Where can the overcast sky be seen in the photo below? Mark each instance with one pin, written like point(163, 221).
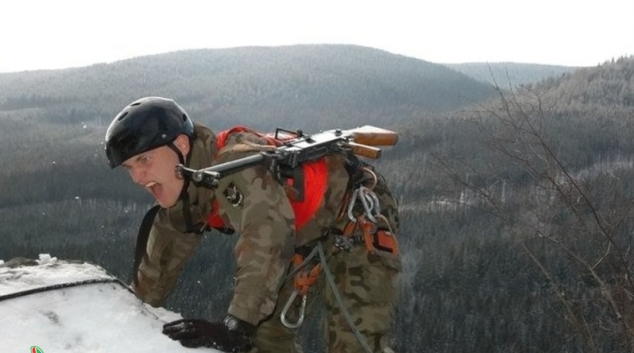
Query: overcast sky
point(53, 34)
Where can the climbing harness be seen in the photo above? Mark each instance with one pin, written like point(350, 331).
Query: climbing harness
point(373, 237)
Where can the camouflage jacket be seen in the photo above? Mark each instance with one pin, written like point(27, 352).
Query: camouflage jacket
point(254, 204)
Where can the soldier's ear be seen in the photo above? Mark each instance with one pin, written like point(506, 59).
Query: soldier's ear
point(182, 143)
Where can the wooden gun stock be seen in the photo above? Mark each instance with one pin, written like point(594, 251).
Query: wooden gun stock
point(374, 136)
point(365, 150)
point(364, 139)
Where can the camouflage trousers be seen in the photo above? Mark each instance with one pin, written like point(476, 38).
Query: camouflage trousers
point(367, 283)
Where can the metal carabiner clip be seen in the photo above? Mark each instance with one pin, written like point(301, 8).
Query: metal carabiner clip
point(369, 201)
point(351, 204)
point(287, 307)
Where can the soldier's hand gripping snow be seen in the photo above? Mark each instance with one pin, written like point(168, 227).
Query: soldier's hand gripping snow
point(331, 222)
point(231, 335)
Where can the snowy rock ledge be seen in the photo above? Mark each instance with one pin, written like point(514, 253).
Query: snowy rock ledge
point(21, 274)
point(69, 306)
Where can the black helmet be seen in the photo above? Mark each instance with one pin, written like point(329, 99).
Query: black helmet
point(143, 125)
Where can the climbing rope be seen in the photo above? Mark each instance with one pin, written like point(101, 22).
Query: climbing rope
point(318, 250)
point(331, 282)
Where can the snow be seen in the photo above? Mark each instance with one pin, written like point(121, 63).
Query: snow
point(84, 310)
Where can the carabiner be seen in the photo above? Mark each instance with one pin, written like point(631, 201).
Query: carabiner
point(351, 204)
point(287, 307)
point(369, 201)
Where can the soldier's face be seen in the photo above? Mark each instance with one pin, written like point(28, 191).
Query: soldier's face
point(155, 171)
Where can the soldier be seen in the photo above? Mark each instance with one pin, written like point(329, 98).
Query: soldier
point(152, 135)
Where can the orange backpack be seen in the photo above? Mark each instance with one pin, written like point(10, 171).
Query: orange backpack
point(315, 175)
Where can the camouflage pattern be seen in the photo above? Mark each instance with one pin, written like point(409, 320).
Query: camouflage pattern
point(368, 284)
point(257, 207)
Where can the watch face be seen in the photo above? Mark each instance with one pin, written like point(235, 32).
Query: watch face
point(231, 322)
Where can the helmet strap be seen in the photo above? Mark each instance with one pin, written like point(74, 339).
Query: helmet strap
point(190, 227)
point(181, 158)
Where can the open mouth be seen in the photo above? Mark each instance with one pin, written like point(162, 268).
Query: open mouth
point(154, 188)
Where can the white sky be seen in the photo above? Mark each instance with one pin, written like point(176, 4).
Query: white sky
point(47, 34)
point(103, 318)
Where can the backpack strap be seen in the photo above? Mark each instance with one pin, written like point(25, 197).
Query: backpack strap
point(142, 238)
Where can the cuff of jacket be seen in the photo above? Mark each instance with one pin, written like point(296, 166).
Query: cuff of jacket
point(250, 308)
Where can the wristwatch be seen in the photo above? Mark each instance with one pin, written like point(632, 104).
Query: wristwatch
point(231, 322)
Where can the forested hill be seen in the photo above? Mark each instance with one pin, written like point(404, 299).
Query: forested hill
point(509, 75)
point(521, 211)
point(589, 110)
point(607, 87)
point(314, 85)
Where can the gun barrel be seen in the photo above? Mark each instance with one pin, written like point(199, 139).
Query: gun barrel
point(232, 166)
point(211, 175)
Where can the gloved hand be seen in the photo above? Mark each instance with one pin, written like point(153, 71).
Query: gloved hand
point(232, 335)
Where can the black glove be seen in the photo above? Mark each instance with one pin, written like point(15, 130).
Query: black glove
point(232, 335)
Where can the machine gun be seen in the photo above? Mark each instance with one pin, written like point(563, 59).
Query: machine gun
point(298, 149)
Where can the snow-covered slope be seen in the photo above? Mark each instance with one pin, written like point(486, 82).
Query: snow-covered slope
point(60, 306)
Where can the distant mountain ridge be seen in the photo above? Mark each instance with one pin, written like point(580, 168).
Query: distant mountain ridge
point(319, 84)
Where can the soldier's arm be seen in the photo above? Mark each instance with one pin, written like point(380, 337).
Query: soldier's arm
point(265, 246)
point(166, 254)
